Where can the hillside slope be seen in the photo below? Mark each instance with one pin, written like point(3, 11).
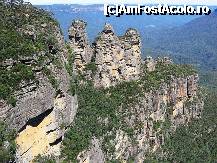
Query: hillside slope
point(194, 42)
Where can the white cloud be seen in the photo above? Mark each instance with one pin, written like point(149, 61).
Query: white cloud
point(193, 2)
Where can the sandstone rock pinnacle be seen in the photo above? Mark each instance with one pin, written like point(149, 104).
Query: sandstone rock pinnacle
point(116, 58)
point(79, 44)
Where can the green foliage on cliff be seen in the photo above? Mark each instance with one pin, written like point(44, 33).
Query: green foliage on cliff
point(70, 60)
point(103, 111)
point(7, 144)
point(196, 142)
point(91, 66)
point(10, 79)
point(12, 44)
point(174, 70)
point(69, 68)
point(96, 105)
point(44, 159)
point(156, 125)
point(164, 73)
point(22, 38)
point(51, 77)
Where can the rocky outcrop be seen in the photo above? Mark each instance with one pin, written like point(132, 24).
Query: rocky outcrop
point(41, 117)
point(159, 113)
point(94, 154)
point(80, 45)
point(109, 58)
point(43, 109)
point(150, 63)
point(116, 58)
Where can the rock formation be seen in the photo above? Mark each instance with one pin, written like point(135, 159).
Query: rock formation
point(79, 44)
point(116, 58)
point(158, 112)
point(45, 107)
point(150, 63)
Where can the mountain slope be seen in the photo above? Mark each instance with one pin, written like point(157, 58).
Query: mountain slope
point(194, 42)
point(93, 15)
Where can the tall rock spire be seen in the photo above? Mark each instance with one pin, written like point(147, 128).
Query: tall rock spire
point(108, 58)
point(117, 58)
point(79, 44)
point(132, 53)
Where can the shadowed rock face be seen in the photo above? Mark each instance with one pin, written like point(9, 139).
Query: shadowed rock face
point(42, 111)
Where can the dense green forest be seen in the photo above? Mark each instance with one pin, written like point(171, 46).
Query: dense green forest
point(196, 142)
point(95, 105)
point(194, 42)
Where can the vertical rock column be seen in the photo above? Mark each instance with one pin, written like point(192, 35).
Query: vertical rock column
point(132, 55)
point(150, 64)
point(108, 57)
point(79, 44)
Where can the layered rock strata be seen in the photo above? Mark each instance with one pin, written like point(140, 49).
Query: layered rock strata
point(42, 111)
point(116, 58)
point(80, 45)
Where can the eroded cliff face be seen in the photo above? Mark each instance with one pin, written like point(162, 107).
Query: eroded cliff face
point(80, 45)
point(44, 106)
point(158, 112)
point(116, 58)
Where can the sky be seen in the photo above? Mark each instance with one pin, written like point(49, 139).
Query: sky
point(178, 2)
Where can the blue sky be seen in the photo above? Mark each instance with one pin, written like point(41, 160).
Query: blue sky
point(194, 2)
